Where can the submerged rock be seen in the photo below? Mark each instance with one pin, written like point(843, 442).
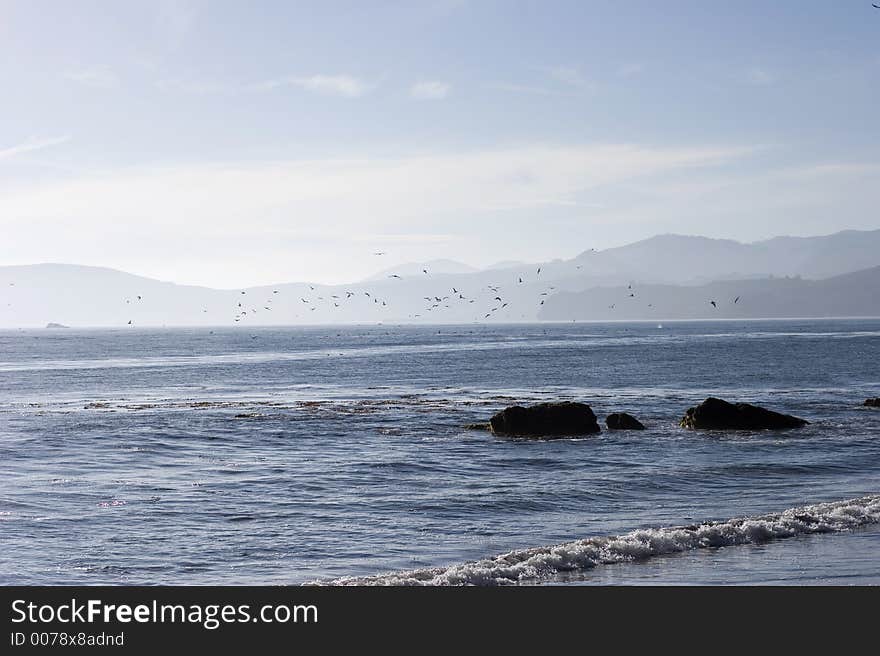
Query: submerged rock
point(873, 403)
point(623, 421)
point(718, 414)
point(546, 420)
point(480, 426)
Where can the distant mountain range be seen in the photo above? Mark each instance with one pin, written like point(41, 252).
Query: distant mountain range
point(849, 295)
point(669, 277)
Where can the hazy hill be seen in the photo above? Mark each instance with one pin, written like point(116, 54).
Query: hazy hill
point(419, 268)
point(849, 295)
point(677, 275)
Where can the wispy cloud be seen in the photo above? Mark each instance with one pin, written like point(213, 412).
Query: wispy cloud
point(175, 19)
point(567, 76)
point(630, 70)
point(196, 87)
point(336, 85)
point(344, 86)
point(521, 88)
point(341, 196)
point(31, 145)
point(430, 90)
point(760, 77)
point(315, 212)
point(555, 81)
point(99, 77)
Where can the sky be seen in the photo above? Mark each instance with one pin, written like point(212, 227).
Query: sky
point(231, 144)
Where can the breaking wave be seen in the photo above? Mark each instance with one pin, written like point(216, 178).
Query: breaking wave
point(541, 563)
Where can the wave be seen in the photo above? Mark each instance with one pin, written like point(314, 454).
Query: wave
point(572, 341)
point(542, 563)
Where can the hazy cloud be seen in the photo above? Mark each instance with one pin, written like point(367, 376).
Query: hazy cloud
point(521, 88)
point(100, 77)
point(430, 90)
point(631, 69)
point(760, 77)
point(567, 76)
point(175, 19)
point(337, 85)
point(31, 145)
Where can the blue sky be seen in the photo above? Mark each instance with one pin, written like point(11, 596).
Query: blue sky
point(229, 143)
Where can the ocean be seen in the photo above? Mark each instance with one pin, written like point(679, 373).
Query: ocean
point(340, 455)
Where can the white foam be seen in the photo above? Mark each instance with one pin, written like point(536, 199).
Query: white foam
point(533, 565)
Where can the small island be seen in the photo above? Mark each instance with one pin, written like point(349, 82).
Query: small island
point(56, 325)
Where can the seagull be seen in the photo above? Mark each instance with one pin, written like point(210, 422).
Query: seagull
point(379, 253)
point(712, 303)
point(129, 322)
point(424, 271)
point(539, 272)
point(737, 298)
point(520, 281)
point(394, 275)
point(139, 297)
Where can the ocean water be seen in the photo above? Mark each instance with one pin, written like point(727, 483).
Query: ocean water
point(339, 455)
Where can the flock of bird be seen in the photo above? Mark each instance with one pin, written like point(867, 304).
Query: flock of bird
point(488, 301)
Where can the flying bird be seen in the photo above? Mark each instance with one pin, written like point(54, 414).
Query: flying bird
point(737, 298)
point(713, 304)
point(394, 275)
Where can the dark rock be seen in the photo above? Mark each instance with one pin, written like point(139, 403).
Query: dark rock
point(873, 403)
point(546, 420)
point(714, 414)
point(482, 426)
point(623, 421)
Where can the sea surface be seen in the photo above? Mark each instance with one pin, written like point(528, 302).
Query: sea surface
point(339, 455)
